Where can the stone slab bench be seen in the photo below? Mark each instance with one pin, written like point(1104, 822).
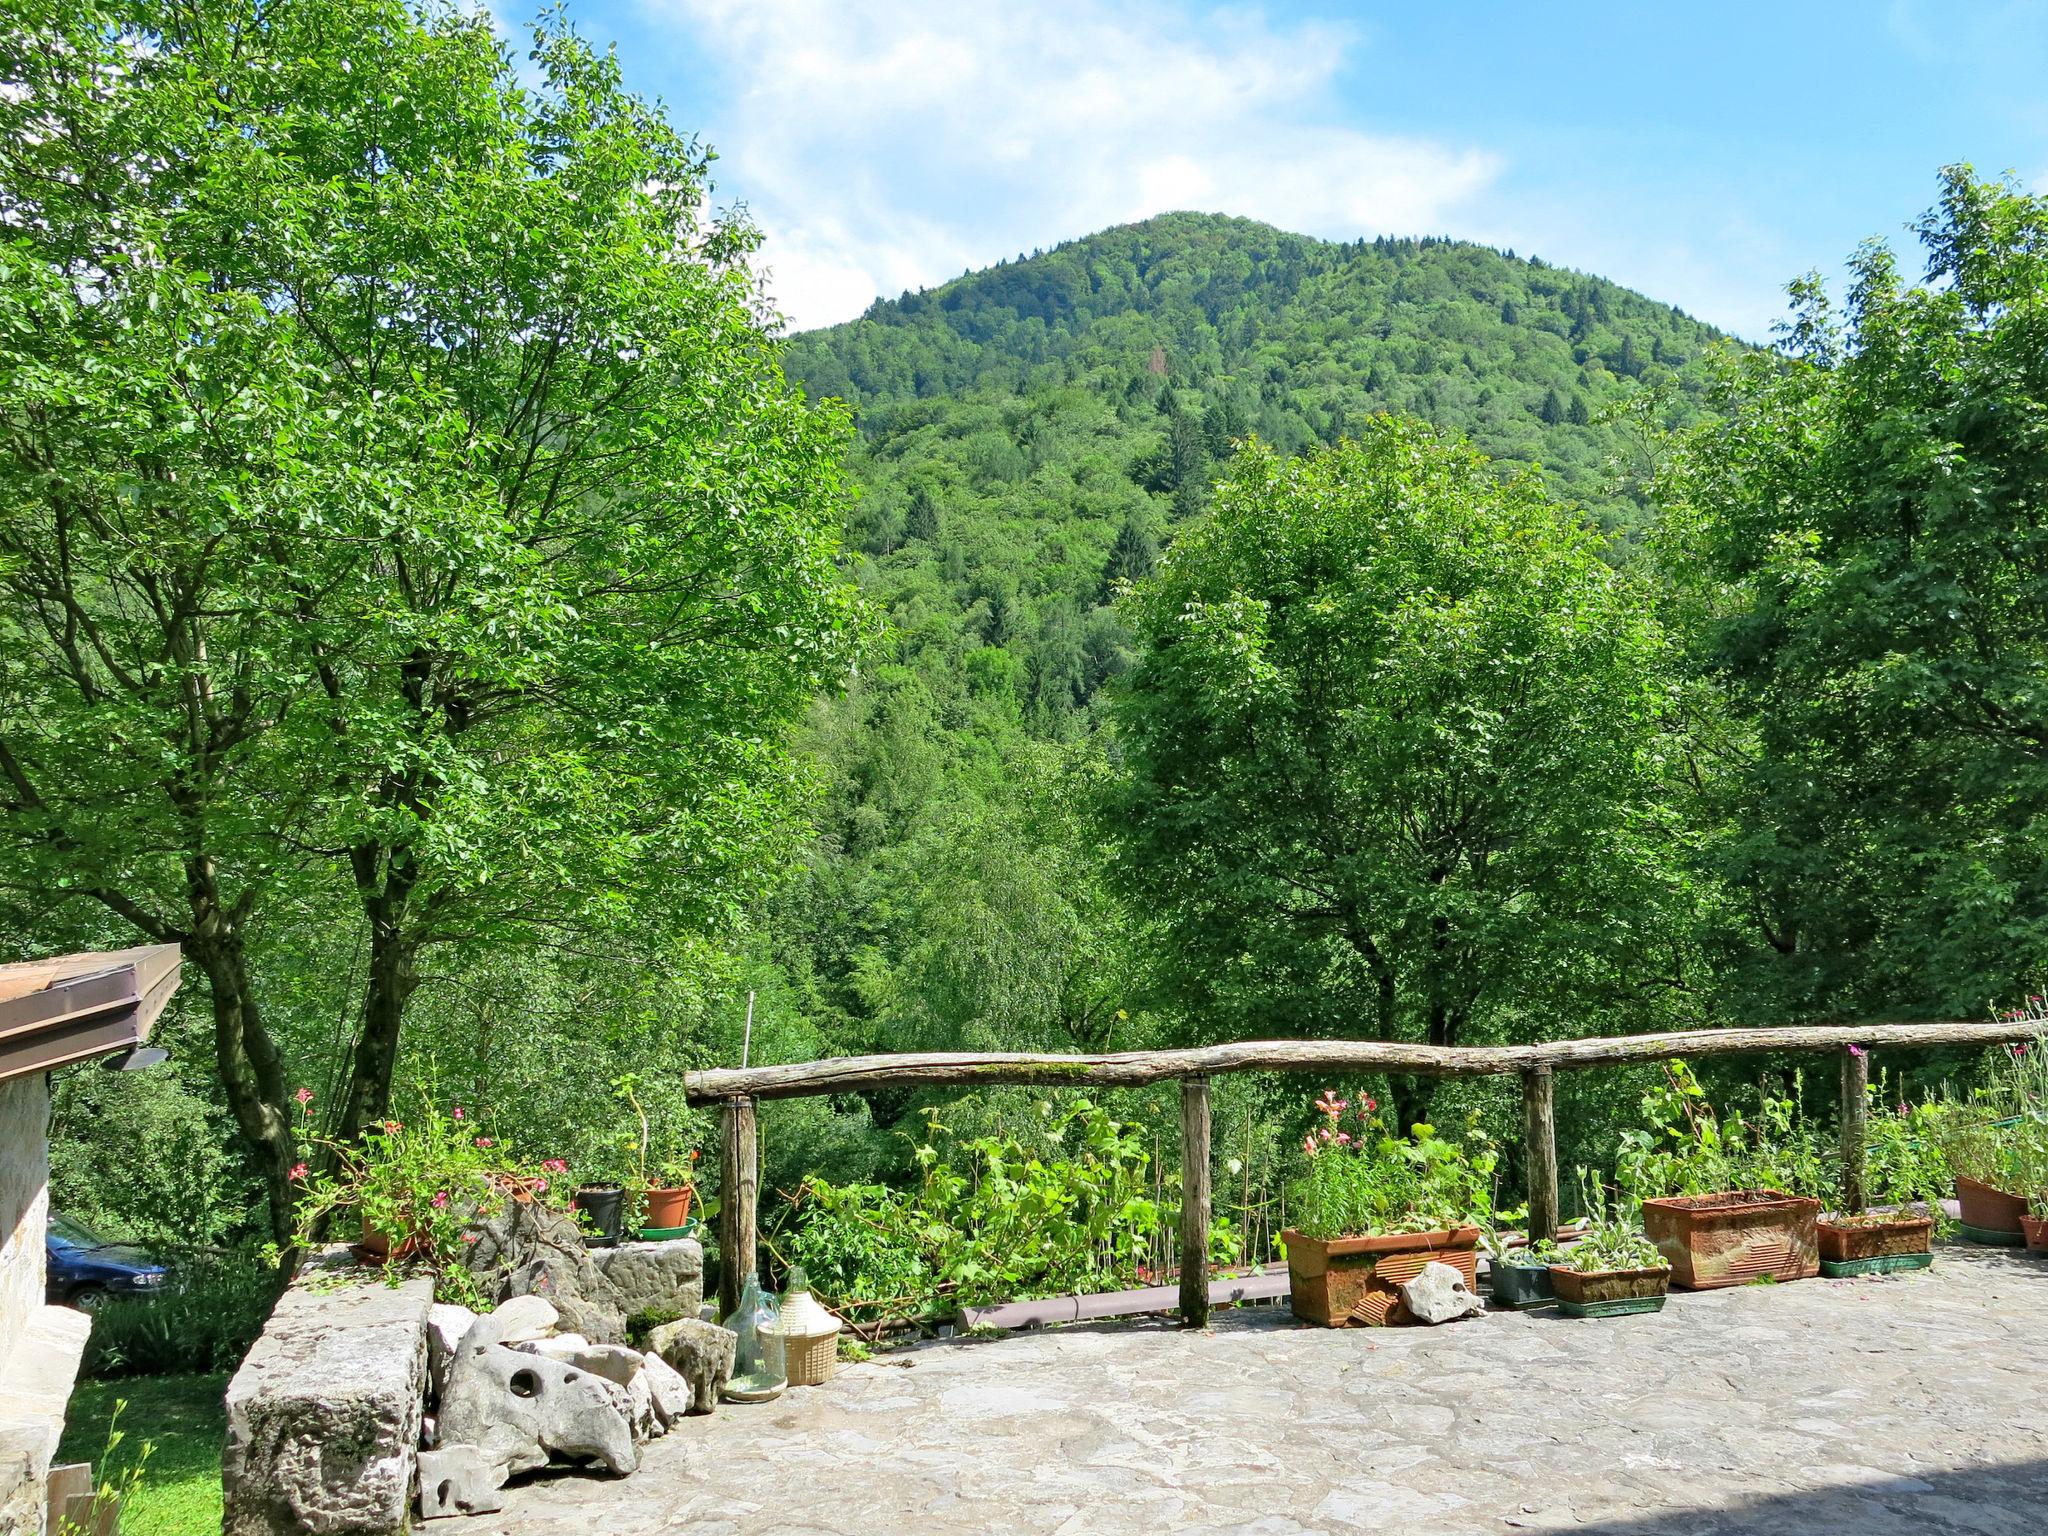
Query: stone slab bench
point(324, 1415)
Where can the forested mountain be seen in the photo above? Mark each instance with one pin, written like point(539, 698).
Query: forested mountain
point(1030, 435)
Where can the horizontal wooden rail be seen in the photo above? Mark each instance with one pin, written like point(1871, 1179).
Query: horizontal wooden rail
point(1129, 1069)
point(739, 1089)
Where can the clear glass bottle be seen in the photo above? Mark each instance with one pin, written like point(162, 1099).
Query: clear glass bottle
point(758, 1373)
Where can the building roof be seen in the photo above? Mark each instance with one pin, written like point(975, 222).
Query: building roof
point(74, 1007)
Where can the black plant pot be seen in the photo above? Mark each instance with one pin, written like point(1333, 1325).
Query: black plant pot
point(1521, 1288)
point(605, 1205)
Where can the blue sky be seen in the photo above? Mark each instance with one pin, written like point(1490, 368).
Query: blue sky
point(1704, 154)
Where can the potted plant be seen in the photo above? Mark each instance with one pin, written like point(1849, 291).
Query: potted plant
point(665, 1202)
point(1371, 1209)
point(411, 1187)
point(1711, 1187)
point(1614, 1269)
point(1996, 1143)
point(1906, 1177)
point(1520, 1275)
point(2034, 1225)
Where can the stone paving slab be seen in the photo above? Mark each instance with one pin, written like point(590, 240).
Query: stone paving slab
point(1907, 1403)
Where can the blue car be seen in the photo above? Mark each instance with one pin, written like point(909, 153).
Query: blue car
point(86, 1269)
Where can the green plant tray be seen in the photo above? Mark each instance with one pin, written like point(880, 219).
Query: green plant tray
point(1532, 1304)
point(1883, 1264)
point(664, 1234)
point(1625, 1306)
point(1989, 1238)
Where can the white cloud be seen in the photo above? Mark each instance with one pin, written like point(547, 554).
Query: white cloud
point(890, 145)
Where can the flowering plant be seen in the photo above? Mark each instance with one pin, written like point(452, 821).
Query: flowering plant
point(416, 1185)
point(1360, 1178)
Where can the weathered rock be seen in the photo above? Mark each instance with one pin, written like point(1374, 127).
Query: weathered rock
point(590, 1311)
point(528, 1250)
point(520, 1409)
point(324, 1415)
point(1439, 1295)
point(456, 1480)
point(701, 1353)
point(522, 1318)
point(665, 1277)
point(556, 1346)
point(671, 1392)
point(446, 1325)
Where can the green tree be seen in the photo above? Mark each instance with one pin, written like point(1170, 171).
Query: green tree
point(1392, 753)
point(401, 504)
point(1860, 545)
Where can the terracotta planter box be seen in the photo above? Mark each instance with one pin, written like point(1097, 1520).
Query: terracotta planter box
point(1843, 1242)
point(1348, 1282)
point(1734, 1237)
point(1988, 1209)
point(1609, 1292)
point(2036, 1230)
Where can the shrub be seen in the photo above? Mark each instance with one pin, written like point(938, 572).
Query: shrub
point(208, 1313)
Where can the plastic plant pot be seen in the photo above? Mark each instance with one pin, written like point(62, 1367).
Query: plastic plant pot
point(605, 1205)
point(1519, 1287)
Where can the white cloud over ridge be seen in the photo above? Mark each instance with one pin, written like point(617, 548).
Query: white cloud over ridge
point(1017, 126)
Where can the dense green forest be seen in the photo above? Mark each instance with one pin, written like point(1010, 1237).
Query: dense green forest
point(440, 601)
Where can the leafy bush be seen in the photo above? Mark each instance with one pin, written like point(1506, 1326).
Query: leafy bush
point(992, 1219)
point(1690, 1148)
point(1999, 1134)
point(208, 1313)
point(1360, 1179)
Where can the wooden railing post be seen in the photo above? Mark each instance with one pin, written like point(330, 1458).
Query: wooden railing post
point(739, 1193)
point(1855, 1109)
point(1540, 1122)
point(1194, 1202)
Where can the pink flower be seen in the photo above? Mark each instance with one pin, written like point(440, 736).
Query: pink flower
point(1324, 1134)
point(1370, 1107)
point(440, 1200)
point(298, 1172)
point(1343, 1138)
point(1330, 1104)
point(470, 1237)
point(393, 1127)
point(304, 1096)
point(1308, 1144)
point(1857, 1050)
point(458, 1111)
point(540, 1186)
point(555, 1165)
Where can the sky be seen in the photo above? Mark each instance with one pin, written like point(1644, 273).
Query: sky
point(1703, 154)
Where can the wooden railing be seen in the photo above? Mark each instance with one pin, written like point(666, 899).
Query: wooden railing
point(1537, 1065)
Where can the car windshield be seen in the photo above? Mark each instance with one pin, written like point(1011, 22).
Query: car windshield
point(75, 1234)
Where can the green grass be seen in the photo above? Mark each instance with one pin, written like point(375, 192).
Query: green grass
point(182, 1420)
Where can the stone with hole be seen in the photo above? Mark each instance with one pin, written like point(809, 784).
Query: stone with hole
point(1439, 1295)
point(701, 1353)
point(456, 1480)
point(520, 1410)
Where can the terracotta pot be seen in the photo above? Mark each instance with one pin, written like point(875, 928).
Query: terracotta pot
point(376, 1244)
point(1608, 1291)
point(1988, 1209)
point(1345, 1282)
point(522, 1190)
point(1735, 1236)
point(1843, 1242)
point(666, 1207)
point(2036, 1230)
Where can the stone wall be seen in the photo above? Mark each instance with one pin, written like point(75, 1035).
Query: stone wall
point(24, 1202)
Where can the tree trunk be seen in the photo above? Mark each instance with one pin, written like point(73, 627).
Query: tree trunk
point(393, 978)
point(251, 1068)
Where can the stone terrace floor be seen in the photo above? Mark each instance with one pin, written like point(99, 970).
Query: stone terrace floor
point(1904, 1404)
